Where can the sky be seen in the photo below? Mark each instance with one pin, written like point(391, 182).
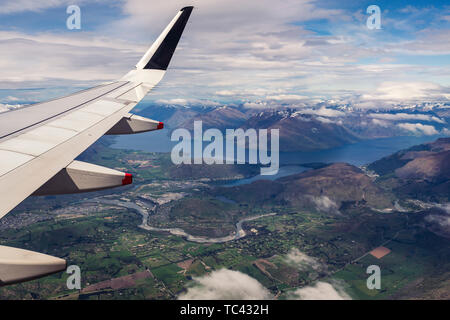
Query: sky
point(254, 52)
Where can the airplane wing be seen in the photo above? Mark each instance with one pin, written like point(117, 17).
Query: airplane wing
point(38, 144)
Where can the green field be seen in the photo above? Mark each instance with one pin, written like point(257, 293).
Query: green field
point(106, 242)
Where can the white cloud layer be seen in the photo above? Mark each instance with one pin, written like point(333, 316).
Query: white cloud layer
point(320, 291)
point(188, 102)
point(226, 284)
point(405, 116)
point(442, 220)
point(302, 261)
point(323, 111)
point(17, 6)
point(380, 123)
point(408, 91)
point(287, 97)
point(6, 107)
point(418, 128)
point(325, 204)
point(248, 50)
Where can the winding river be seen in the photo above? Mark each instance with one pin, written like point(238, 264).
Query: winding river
point(357, 154)
point(239, 233)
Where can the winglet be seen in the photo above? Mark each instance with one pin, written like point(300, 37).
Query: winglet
point(161, 52)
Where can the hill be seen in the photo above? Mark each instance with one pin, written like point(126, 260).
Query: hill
point(421, 172)
point(220, 118)
point(302, 132)
point(329, 189)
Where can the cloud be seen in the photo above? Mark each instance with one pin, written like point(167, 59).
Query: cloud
point(418, 128)
point(320, 291)
point(442, 221)
point(439, 220)
point(16, 6)
point(287, 97)
point(325, 204)
point(6, 107)
point(405, 116)
point(380, 123)
point(12, 98)
point(230, 49)
point(226, 93)
point(245, 92)
point(445, 207)
point(302, 261)
point(324, 120)
point(324, 112)
point(188, 102)
point(226, 284)
point(81, 59)
point(255, 105)
point(407, 91)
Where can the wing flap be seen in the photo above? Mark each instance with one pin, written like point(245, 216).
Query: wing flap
point(18, 265)
point(81, 177)
point(131, 124)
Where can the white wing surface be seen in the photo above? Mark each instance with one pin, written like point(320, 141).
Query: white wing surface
point(39, 143)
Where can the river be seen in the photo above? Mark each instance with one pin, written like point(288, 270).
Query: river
point(357, 154)
point(238, 234)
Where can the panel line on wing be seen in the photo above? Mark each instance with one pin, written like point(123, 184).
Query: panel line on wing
point(53, 115)
point(9, 165)
point(11, 160)
point(42, 139)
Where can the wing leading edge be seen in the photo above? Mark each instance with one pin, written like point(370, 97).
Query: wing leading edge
point(38, 143)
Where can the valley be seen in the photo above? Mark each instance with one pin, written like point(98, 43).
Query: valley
point(312, 228)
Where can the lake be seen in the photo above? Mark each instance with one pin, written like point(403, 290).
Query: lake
point(357, 154)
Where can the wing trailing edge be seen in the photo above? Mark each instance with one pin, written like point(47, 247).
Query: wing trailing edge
point(19, 265)
point(80, 177)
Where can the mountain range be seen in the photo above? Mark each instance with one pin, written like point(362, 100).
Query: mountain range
point(313, 128)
